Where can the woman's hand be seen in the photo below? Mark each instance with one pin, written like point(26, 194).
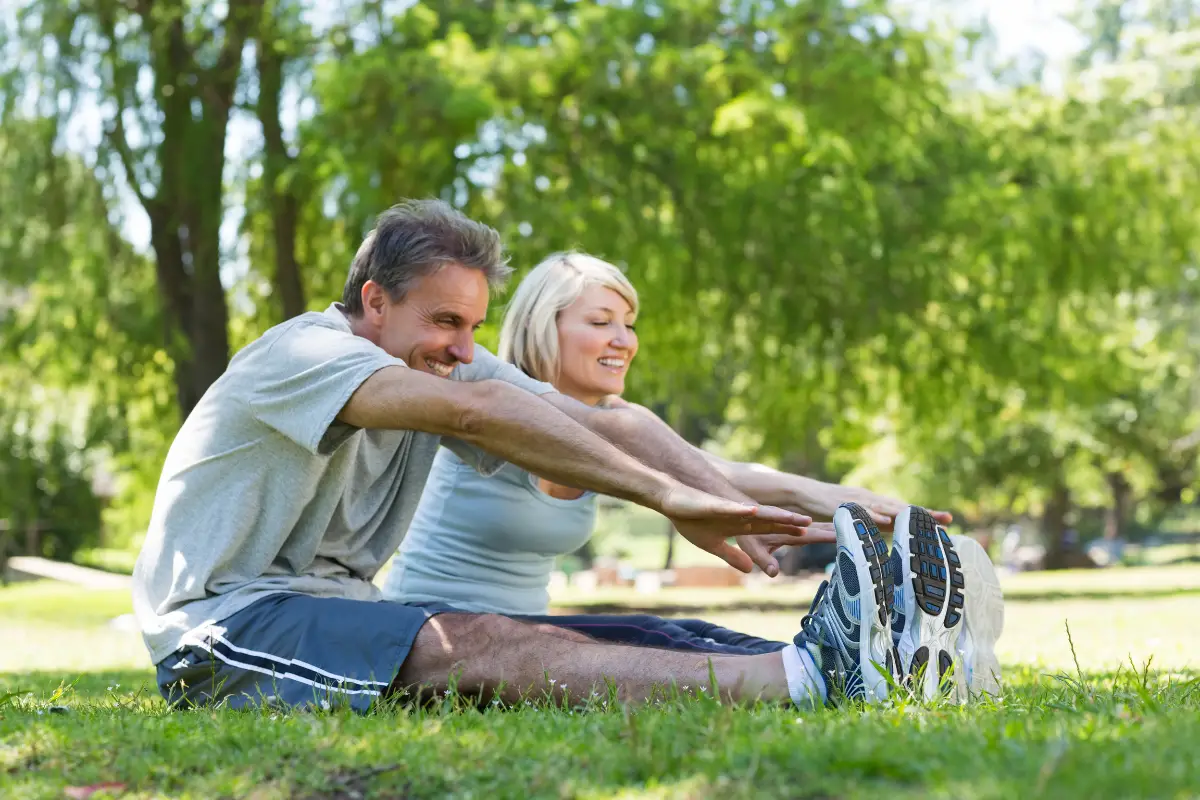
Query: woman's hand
point(708, 522)
point(819, 500)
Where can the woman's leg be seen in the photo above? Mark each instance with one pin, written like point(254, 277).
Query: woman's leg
point(650, 631)
point(709, 630)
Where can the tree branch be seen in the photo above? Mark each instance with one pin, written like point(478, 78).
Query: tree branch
point(282, 193)
point(115, 130)
point(219, 81)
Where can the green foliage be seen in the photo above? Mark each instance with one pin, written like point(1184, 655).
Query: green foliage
point(81, 324)
point(851, 260)
point(45, 488)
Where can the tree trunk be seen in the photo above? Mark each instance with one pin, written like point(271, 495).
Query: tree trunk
point(33, 539)
point(185, 233)
point(670, 546)
point(1054, 526)
point(185, 208)
point(1116, 516)
point(279, 186)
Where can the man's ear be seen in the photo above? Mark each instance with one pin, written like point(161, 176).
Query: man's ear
point(374, 299)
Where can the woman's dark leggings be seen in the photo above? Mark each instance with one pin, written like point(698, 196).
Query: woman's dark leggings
point(646, 630)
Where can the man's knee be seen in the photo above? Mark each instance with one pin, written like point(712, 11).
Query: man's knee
point(447, 644)
point(473, 647)
point(455, 636)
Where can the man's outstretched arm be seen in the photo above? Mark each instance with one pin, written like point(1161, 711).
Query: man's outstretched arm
point(513, 424)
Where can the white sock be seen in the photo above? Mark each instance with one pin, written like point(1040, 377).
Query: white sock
point(805, 684)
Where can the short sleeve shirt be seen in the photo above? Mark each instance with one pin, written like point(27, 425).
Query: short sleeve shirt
point(264, 490)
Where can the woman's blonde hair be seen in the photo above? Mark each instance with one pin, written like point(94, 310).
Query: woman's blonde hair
point(529, 333)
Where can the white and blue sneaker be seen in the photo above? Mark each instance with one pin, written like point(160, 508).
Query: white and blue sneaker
point(847, 630)
point(983, 620)
point(929, 604)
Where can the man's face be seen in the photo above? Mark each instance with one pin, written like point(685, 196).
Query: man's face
point(433, 328)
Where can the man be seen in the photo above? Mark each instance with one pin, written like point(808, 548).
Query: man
point(295, 477)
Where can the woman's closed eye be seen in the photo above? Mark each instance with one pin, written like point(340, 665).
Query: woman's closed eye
point(604, 323)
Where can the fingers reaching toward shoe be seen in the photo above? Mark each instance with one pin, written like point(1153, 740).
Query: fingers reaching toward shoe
point(709, 522)
point(820, 500)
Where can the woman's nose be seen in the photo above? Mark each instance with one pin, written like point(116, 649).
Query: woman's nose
point(622, 338)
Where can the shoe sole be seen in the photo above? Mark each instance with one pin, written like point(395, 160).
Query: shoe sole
point(859, 536)
point(935, 599)
point(985, 623)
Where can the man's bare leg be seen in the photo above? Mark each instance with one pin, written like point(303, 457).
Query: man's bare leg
point(494, 656)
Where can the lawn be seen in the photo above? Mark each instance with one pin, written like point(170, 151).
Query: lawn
point(87, 714)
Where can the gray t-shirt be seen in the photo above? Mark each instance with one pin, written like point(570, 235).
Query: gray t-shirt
point(486, 544)
point(264, 491)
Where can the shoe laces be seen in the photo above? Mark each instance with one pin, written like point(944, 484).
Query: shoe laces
point(811, 619)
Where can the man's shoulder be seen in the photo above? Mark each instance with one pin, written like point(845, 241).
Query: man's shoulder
point(331, 319)
point(328, 327)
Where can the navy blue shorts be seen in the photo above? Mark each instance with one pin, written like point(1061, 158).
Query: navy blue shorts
point(294, 650)
point(647, 630)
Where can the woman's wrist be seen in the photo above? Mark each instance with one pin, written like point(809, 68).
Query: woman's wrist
point(767, 486)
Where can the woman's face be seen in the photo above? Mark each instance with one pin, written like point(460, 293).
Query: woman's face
point(596, 344)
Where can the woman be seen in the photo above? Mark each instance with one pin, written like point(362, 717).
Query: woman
point(488, 544)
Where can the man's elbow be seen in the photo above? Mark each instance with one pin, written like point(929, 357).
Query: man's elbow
point(471, 422)
point(480, 406)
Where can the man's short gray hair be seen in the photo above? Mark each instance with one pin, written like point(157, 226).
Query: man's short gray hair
point(416, 238)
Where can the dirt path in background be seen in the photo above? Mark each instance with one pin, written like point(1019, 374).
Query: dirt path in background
point(31, 567)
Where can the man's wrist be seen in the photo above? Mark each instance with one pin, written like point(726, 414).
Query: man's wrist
point(656, 488)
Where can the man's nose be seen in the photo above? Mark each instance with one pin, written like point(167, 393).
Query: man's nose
point(464, 349)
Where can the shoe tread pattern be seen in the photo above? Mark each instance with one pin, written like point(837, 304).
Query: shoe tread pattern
point(936, 568)
point(880, 565)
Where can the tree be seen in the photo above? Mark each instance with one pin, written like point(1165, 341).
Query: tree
point(277, 45)
point(85, 373)
point(163, 76)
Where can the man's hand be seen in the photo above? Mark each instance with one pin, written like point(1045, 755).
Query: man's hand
point(708, 522)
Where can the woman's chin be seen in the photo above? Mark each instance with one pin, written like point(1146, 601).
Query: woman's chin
point(605, 388)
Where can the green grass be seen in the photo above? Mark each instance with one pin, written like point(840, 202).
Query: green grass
point(1110, 736)
point(81, 709)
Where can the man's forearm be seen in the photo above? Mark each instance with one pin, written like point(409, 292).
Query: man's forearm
point(549, 443)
